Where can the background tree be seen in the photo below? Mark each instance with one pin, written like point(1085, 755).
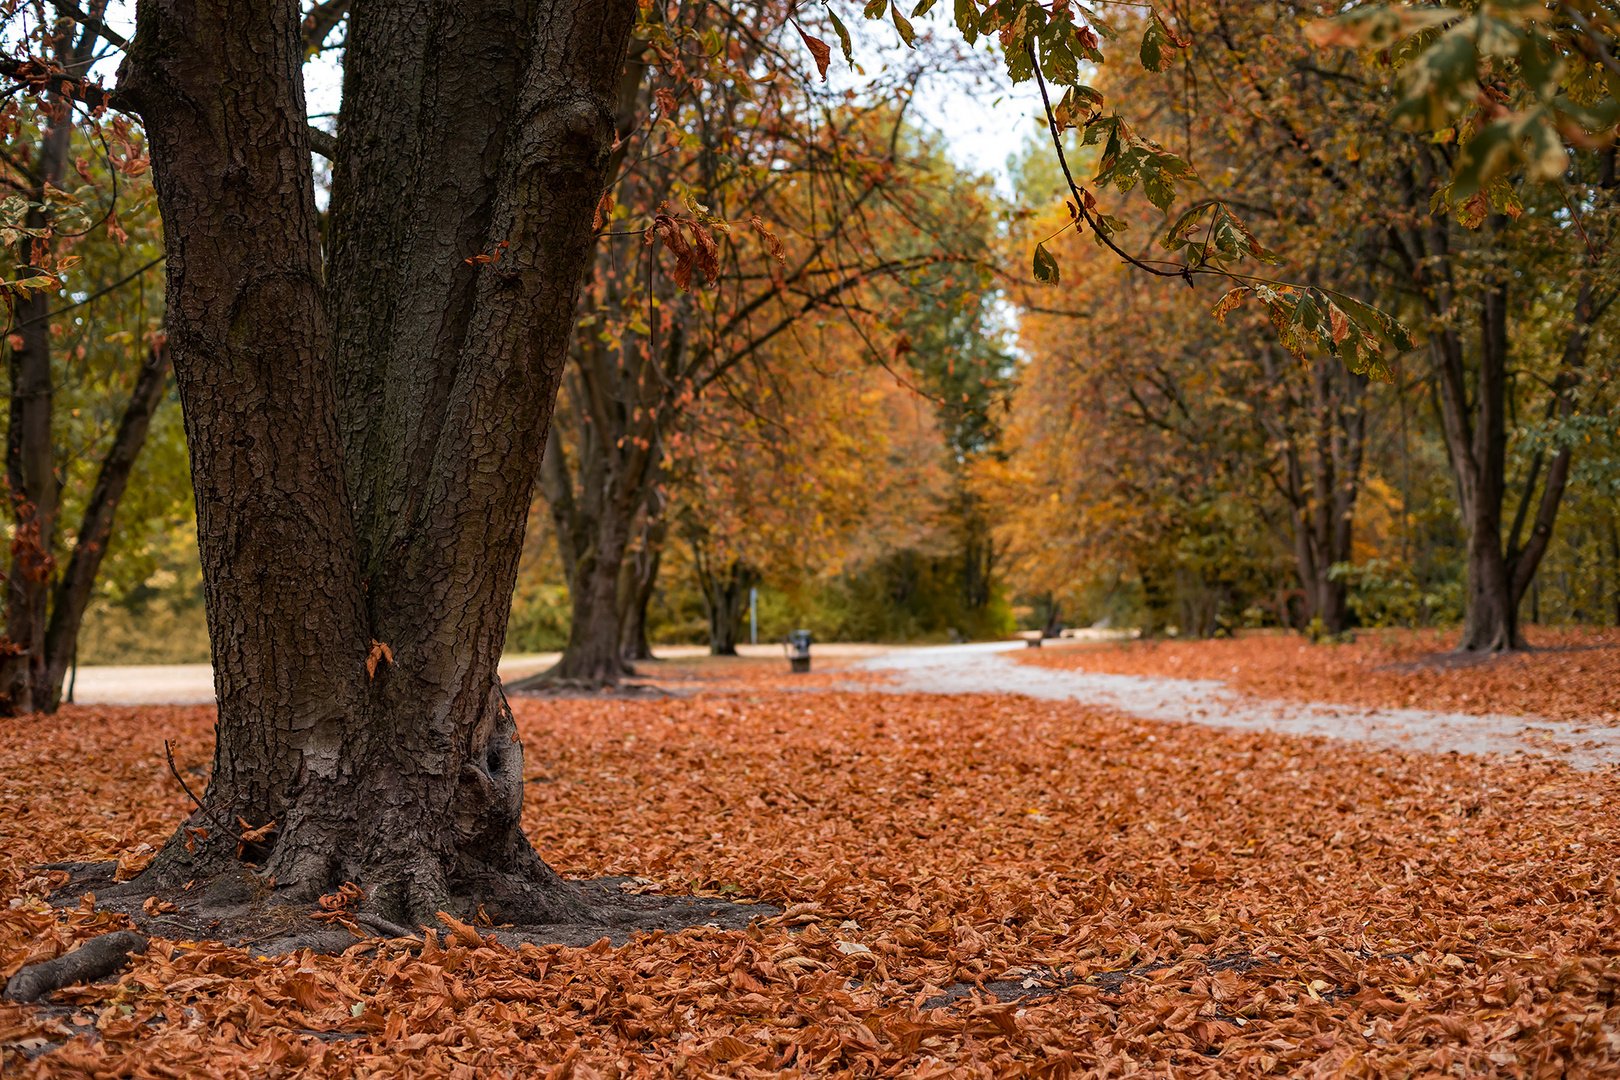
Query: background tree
point(837, 204)
point(49, 230)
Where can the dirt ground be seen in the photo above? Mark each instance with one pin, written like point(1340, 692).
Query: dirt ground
point(1132, 897)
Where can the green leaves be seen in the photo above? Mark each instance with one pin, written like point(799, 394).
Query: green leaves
point(1337, 324)
point(843, 35)
point(1502, 77)
point(1128, 158)
point(1046, 267)
point(1159, 44)
point(902, 24)
point(967, 20)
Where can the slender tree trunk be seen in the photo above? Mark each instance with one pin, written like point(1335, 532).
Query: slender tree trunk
point(42, 627)
point(79, 579)
point(724, 585)
point(1321, 499)
point(35, 496)
point(638, 584)
point(35, 489)
point(364, 454)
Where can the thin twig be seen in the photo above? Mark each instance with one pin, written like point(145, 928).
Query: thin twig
point(1180, 270)
point(170, 755)
point(120, 283)
point(212, 812)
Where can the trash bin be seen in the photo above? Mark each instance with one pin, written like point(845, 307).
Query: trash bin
point(797, 647)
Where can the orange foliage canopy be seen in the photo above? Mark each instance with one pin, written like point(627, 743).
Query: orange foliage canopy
point(1200, 902)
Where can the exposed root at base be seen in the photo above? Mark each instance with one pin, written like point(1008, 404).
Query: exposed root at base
point(270, 927)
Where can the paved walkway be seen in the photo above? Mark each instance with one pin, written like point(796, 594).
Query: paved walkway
point(983, 668)
point(193, 684)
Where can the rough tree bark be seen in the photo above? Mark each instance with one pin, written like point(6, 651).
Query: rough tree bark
point(364, 443)
point(42, 619)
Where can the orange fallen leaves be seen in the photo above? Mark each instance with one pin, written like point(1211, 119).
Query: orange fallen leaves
point(1574, 675)
point(1197, 902)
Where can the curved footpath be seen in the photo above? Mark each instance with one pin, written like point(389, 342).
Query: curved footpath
point(983, 668)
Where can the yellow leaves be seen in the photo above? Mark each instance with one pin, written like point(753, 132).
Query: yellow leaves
point(380, 653)
point(1229, 301)
point(154, 906)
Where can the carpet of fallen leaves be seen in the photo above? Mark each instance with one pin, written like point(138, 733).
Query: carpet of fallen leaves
point(1574, 674)
point(1198, 902)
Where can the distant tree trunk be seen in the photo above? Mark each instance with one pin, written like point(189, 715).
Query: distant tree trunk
point(1499, 569)
point(1157, 597)
point(77, 582)
point(611, 470)
point(594, 498)
point(724, 581)
point(364, 451)
point(1054, 617)
point(1322, 441)
point(639, 579)
point(42, 621)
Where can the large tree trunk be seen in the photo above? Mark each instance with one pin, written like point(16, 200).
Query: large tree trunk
point(364, 454)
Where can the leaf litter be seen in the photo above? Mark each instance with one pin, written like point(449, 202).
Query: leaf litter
point(1170, 899)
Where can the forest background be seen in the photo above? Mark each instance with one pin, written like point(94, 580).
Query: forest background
point(866, 406)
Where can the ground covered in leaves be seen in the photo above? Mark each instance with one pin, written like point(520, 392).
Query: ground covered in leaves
point(1573, 673)
point(1171, 899)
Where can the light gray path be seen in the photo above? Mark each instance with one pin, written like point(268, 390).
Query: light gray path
point(193, 684)
point(984, 668)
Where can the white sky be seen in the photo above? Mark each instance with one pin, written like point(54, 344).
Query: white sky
point(982, 117)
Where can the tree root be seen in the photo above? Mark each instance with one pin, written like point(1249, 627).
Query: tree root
point(95, 959)
point(382, 925)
